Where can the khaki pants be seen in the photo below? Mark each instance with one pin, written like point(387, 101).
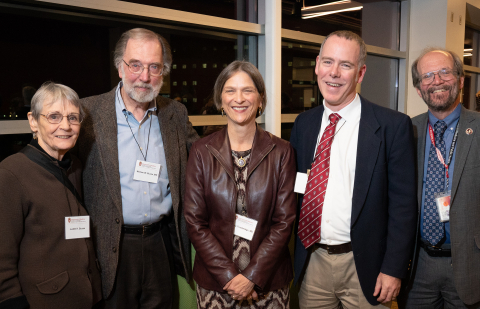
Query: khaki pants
point(331, 281)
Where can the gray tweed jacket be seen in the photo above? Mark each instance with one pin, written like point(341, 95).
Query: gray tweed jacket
point(98, 151)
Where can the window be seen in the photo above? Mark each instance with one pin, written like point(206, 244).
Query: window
point(378, 23)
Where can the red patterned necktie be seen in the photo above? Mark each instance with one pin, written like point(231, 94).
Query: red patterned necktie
point(312, 205)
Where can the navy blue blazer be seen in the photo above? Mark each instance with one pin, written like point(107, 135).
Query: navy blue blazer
point(384, 205)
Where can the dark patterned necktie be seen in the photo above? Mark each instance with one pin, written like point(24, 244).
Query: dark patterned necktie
point(433, 229)
point(312, 205)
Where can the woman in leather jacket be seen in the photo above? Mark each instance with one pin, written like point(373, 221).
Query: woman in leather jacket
point(239, 201)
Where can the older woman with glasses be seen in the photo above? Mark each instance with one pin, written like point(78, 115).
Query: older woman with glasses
point(239, 202)
point(47, 259)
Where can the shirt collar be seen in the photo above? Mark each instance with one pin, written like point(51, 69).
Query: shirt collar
point(349, 112)
point(450, 119)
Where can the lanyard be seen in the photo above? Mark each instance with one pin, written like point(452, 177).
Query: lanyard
point(148, 140)
point(439, 154)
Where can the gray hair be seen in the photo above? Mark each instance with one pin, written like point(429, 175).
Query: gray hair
point(350, 36)
point(51, 92)
point(457, 64)
point(142, 35)
point(233, 68)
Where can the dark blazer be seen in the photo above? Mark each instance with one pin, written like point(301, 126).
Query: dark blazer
point(465, 202)
point(39, 268)
point(98, 150)
point(383, 204)
point(211, 202)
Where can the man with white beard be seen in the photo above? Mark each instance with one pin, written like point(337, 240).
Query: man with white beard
point(134, 147)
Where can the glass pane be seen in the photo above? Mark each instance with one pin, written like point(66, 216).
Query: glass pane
point(377, 22)
point(245, 10)
point(287, 130)
point(380, 82)
point(194, 70)
point(70, 53)
point(471, 91)
point(78, 52)
point(471, 54)
point(13, 143)
point(299, 81)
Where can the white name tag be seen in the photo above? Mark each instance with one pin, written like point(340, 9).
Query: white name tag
point(77, 227)
point(300, 183)
point(443, 206)
point(147, 171)
point(245, 227)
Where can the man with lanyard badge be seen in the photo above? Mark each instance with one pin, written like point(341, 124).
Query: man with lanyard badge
point(134, 147)
point(446, 264)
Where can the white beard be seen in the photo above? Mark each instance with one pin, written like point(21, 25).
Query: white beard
point(144, 96)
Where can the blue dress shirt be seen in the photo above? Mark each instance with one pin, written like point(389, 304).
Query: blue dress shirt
point(142, 202)
point(451, 121)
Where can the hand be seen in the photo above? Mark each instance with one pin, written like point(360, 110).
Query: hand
point(388, 287)
point(253, 295)
point(240, 287)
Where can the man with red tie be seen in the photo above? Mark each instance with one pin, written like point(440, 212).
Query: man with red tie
point(356, 174)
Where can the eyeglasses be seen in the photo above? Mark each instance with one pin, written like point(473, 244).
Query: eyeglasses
point(443, 74)
point(56, 118)
point(137, 67)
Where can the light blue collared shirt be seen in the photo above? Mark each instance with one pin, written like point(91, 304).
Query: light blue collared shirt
point(142, 202)
point(451, 121)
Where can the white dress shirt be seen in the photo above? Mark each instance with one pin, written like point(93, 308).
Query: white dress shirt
point(337, 207)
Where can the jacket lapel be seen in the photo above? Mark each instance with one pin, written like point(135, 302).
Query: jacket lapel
point(262, 145)
point(464, 142)
point(312, 137)
point(367, 153)
point(168, 130)
point(420, 144)
point(105, 127)
point(220, 149)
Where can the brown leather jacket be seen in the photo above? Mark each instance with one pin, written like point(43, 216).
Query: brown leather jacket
point(210, 203)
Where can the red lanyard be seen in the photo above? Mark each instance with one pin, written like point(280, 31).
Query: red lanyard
point(439, 154)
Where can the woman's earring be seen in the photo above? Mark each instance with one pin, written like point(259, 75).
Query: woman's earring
point(259, 111)
point(223, 112)
point(34, 135)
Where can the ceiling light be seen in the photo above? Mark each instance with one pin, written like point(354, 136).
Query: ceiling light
point(330, 8)
point(326, 4)
point(312, 15)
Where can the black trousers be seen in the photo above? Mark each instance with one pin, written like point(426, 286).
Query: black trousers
point(145, 274)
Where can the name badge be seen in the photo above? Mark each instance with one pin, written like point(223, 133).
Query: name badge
point(245, 227)
point(300, 183)
point(443, 205)
point(147, 171)
point(77, 227)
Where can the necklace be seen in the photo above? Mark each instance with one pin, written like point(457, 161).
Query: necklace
point(241, 161)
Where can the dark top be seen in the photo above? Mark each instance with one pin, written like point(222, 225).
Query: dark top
point(39, 267)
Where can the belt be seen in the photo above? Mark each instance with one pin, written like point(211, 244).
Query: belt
point(435, 251)
point(144, 230)
point(336, 249)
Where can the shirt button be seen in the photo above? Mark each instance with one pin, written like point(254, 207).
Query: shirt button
point(141, 148)
point(117, 220)
point(140, 126)
point(145, 215)
point(144, 192)
point(328, 221)
point(329, 241)
point(54, 287)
